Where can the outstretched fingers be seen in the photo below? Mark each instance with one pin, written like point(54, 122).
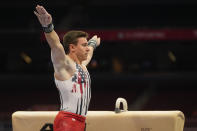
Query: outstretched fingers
point(38, 9)
point(41, 10)
point(36, 14)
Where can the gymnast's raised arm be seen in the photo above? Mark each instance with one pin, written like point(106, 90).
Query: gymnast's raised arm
point(62, 64)
point(93, 43)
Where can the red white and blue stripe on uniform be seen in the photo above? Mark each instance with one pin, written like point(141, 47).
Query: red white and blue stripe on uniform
point(75, 93)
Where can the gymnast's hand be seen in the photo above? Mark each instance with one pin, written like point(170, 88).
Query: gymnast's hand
point(98, 40)
point(43, 16)
point(94, 41)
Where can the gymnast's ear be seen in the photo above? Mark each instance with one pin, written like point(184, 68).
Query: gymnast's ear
point(72, 47)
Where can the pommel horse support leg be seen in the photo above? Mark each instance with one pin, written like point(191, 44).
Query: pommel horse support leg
point(120, 120)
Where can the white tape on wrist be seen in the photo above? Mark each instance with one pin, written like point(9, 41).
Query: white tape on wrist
point(93, 43)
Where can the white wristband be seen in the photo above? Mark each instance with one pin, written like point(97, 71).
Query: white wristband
point(93, 43)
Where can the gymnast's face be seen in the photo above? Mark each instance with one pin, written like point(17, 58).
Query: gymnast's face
point(82, 49)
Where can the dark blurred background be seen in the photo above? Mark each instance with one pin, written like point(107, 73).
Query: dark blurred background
point(147, 55)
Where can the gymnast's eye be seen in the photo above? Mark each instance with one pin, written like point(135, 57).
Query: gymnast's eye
point(85, 44)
